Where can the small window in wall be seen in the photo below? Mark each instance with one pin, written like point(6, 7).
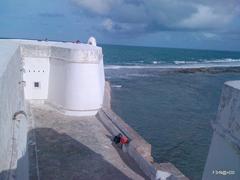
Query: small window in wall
point(37, 84)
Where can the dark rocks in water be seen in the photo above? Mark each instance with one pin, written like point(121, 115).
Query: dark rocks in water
point(209, 70)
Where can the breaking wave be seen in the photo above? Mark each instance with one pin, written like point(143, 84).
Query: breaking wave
point(116, 86)
point(228, 62)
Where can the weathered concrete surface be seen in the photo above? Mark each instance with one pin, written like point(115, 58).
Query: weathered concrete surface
point(223, 160)
point(13, 133)
point(138, 149)
point(75, 148)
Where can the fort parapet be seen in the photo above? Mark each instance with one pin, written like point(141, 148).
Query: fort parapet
point(52, 92)
point(223, 160)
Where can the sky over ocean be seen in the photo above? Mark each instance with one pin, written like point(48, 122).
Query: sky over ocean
point(204, 24)
point(171, 110)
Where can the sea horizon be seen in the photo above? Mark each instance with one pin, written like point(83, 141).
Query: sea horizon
point(167, 47)
point(172, 108)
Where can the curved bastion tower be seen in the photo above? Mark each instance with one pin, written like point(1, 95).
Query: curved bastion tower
point(69, 77)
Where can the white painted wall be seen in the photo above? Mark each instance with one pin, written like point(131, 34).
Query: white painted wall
point(71, 77)
point(101, 77)
point(83, 87)
point(13, 133)
point(57, 75)
point(36, 71)
point(76, 88)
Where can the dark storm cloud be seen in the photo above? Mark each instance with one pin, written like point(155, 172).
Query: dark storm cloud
point(125, 16)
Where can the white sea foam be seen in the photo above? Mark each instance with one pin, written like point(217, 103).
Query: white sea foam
point(222, 60)
point(116, 86)
point(186, 62)
point(228, 62)
point(157, 62)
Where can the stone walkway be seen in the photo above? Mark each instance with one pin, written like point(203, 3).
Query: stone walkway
point(75, 148)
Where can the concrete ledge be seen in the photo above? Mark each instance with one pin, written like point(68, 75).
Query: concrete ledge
point(233, 84)
point(138, 148)
point(69, 112)
point(72, 54)
point(224, 153)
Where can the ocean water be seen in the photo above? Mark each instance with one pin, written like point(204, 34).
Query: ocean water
point(131, 56)
point(170, 108)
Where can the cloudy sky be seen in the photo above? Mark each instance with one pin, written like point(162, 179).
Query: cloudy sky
point(208, 24)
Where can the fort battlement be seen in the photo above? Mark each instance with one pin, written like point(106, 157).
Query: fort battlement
point(56, 120)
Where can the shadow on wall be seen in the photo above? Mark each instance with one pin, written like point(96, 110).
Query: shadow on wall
point(6, 174)
point(62, 157)
point(21, 173)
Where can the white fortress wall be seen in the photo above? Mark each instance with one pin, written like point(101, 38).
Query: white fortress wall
point(13, 131)
point(223, 160)
point(76, 81)
point(68, 76)
point(36, 65)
